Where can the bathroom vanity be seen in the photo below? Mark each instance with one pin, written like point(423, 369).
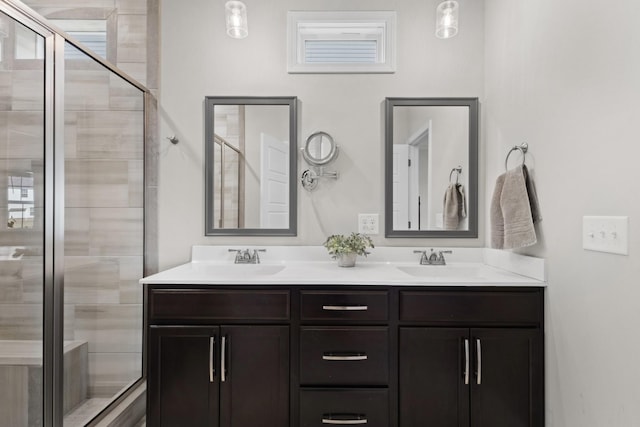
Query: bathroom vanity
point(308, 344)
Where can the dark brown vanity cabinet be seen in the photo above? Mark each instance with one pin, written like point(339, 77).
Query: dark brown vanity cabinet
point(232, 374)
point(344, 355)
point(471, 375)
point(380, 356)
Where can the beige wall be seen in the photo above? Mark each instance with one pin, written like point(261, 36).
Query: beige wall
point(349, 107)
point(563, 76)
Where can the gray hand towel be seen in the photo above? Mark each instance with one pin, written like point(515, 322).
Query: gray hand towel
point(514, 208)
point(462, 213)
point(450, 210)
point(455, 206)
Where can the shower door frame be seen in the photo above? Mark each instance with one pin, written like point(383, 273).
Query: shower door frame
point(54, 186)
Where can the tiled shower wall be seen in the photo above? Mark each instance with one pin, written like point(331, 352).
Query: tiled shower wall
point(104, 195)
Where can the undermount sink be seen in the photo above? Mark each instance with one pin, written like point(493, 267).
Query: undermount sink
point(241, 270)
point(445, 271)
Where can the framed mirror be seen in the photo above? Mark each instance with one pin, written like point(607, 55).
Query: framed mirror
point(431, 167)
point(250, 166)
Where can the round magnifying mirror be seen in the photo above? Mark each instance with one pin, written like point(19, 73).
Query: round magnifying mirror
point(319, 149)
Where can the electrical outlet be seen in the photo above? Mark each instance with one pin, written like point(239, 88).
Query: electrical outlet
point(606, 234)
point(368, 224)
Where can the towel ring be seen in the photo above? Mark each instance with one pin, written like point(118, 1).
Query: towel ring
point(524, 147)
point(458, 171)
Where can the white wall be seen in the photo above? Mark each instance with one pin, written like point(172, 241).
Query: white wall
point(198, 59)
point(565, 77)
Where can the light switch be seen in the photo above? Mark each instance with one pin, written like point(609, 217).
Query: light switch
point(606, 234)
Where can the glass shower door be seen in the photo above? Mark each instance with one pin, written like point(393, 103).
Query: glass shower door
point(22, 159)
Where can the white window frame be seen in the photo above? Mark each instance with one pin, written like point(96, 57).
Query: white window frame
point(331, 25)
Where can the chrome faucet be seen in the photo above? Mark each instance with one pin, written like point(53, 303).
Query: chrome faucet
point(246, 256)
point(433, 258)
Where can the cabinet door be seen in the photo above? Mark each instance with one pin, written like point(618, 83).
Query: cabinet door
point(182, 381)
point(507, 387)
point(433, 389)
point(254, 376)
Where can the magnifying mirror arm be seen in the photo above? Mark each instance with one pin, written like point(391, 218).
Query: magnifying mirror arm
point(310, 177)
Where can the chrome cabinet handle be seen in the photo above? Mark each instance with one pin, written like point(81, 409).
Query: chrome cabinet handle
point(212, 369)
point(478, 361)
point(344, 357)
point(344, 419)
point(223, 359)
point(345, 307)
point(466, 361)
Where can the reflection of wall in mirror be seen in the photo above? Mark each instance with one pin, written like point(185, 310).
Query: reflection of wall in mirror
point(450, 149)
point(272, 120)
point(441, 134)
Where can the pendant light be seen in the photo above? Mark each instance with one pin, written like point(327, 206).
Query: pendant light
point(236, 16)
point(447, 19)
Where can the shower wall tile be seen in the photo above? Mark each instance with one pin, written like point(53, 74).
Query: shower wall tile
point(97, 183)
point(110, 135)
point(103, 232)
point(14, 395)
point(130, 274)
point(91, 280)
point(70, 4)
point(110, 372)
point(132, 38)
point(5, 90)
point(125, 100)
point(136, 184)
point(109, 328)
point(131, 6)
point(25, 138)
point(87, 89)
point(28, 89)
point(10, 286)
point(70, 134)
point(20, 321)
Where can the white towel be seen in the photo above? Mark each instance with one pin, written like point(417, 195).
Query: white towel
point(514, 209)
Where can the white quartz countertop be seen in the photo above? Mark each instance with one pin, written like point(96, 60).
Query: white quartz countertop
point(215, 266)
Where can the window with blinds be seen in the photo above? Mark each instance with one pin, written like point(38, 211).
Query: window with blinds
point(341, 42)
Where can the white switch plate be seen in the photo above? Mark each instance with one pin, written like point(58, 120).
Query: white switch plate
point(606, 234)
point(368, 224)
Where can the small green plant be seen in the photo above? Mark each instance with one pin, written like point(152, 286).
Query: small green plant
point(339, 244)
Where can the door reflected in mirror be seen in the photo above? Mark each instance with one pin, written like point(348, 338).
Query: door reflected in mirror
point(251, 163)
point(431, 167)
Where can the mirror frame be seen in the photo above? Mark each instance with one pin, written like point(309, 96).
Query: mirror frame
point(210, 103)
point(472, 190)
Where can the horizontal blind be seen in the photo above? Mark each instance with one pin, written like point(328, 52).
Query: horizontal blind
point(340, 51)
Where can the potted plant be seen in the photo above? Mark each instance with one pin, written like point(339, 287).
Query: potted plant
point(346, 248)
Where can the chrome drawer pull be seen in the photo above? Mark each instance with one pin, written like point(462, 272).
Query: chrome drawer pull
point(345, 307)
point(212, 369)
point(466, 361)
point(479, 362)
point(343, 357)
point(223, 359)
point(344, 419)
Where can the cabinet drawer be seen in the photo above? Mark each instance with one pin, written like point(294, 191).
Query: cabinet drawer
point(344, 305)
point(357, 356)
point(513, 307)
point(322, 408)
point(217, 304)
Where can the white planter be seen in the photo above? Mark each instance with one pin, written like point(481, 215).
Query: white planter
point(347, 260)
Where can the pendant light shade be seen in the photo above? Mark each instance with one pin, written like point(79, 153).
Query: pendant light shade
point(236, 16)
point(447, 19)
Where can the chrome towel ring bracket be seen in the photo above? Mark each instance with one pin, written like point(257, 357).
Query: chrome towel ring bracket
point(523, 148)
